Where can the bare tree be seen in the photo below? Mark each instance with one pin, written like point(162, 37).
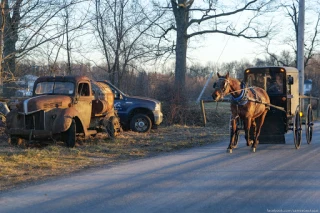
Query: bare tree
point(10, 21)
point(122, 27)
point(284, 58)
point(208, 17)
point(290, 35)
point(70, 17)
point(26, 25)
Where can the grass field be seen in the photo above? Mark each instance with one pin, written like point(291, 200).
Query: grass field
point(37, 162)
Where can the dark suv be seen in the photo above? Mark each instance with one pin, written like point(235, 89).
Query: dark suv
point(139, 114)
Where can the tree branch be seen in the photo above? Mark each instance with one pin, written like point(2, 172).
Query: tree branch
point(206, 17)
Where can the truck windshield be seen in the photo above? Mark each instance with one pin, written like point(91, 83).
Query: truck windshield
point(65, 88)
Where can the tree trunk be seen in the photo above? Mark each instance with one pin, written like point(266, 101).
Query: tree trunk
point(69, 70)
point(10, 35)
point(2, 24)
point(179, 103)
point(181, 63)
point(182, 19)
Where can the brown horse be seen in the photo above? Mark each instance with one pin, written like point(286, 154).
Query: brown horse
point(249, 104)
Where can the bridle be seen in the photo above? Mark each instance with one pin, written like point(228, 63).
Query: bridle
point(222, 85)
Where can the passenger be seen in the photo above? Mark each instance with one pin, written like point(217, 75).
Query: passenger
point(277, 85)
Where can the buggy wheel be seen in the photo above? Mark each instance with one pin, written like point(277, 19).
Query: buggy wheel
point(297, 128)
point(69, 136)
point(309, 124)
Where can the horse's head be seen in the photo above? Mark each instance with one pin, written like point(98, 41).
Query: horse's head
point(221, 87)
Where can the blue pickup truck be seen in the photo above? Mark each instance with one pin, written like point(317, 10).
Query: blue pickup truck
point(139, 114)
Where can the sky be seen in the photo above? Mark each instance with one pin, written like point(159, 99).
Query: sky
point(220, 48)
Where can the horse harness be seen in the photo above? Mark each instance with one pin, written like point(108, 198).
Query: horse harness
point(243, 98)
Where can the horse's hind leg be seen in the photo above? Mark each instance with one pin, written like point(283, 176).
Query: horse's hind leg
point(233, 127)
point(259, 122)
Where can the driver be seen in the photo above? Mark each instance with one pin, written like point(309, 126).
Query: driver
point(277, 85)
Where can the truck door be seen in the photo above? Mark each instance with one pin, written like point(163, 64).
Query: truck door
point(84, 103)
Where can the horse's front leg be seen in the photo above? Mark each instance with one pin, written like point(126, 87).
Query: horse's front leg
point(233, 127)
point(253, 130)
point(247, 125)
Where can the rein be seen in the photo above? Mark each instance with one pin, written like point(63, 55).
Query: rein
point(242, 99)
point(242, 94)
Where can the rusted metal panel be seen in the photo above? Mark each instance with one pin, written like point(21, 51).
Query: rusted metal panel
point(30, 133)
point(103, 98)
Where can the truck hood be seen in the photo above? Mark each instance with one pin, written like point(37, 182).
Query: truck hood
point(143, 99)
point(45, 102)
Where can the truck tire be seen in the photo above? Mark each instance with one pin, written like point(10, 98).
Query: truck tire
point(16, 141)
point(140, 123)
point(69, 136)
point(113, 127)
point(2, 118)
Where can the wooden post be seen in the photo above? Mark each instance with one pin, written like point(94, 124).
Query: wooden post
point(203, 111)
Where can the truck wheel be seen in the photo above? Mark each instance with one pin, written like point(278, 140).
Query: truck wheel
point(16, 141)
point(69, 136)
point(113, 127)
point(140, 123)
point(2, 118)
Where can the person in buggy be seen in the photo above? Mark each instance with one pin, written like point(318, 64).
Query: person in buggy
point(276, 84)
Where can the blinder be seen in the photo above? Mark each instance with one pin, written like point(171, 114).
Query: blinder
point(221, 82)
point(214, 85)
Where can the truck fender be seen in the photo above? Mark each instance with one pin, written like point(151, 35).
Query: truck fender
point(64, 120)
point(4, 109)
point(12, 120)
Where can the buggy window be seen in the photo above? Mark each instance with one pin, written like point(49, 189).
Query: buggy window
point(256, 79)
point(275, 83)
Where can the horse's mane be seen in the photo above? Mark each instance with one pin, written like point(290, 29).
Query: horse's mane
point(234, 79)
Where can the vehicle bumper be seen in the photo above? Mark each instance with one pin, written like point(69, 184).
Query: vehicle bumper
point(158, 117)
point(29, 133)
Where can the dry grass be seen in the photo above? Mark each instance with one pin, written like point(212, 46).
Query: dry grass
point(39, 162)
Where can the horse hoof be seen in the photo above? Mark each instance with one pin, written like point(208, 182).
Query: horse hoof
point(229, 151)
point(253, 150)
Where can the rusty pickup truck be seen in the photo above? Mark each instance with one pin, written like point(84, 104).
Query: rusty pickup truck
point(61, 108)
